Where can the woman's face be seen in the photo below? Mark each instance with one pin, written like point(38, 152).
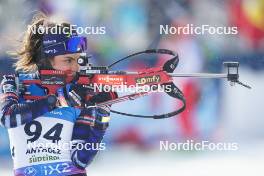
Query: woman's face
point(66, 62)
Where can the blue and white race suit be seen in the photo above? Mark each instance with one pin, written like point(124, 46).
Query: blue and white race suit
point(41, 137)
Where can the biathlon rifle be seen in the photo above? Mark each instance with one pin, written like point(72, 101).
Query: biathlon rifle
point(51, 80)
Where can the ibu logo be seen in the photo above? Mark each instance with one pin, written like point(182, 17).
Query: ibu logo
point(30, 171)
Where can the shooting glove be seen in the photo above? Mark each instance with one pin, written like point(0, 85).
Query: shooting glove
point(76, 95)
point(95, 117)
point(72, 95)
point(9, 88)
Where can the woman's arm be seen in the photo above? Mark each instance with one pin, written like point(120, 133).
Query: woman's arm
point(88, 133)
point(90, 125)
point(13, 113)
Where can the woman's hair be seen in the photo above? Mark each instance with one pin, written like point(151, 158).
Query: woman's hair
point(30, 52)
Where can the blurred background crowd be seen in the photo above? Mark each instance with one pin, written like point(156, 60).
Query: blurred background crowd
point(215, 111)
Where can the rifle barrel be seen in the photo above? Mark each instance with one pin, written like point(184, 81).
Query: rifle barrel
point(193, 75)
point(199, 75)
